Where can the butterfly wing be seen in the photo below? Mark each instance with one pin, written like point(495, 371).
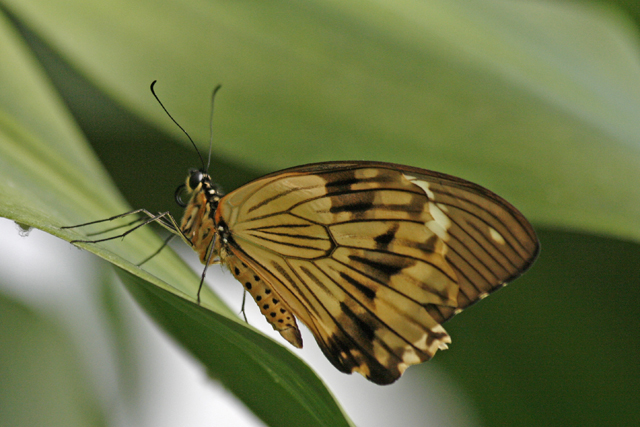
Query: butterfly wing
point(373, 257)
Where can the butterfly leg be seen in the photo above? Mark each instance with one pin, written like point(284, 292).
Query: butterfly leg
point(164, 219)
point(210, 260)
point(164, 245)
point(244, 298)
point(133, 212)
point(107, 230)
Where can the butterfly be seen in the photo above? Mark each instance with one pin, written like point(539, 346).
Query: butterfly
point(371, 257)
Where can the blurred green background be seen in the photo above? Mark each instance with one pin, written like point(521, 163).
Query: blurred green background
point(538, 101)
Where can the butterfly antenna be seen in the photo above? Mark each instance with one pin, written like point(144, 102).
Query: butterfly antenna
point(178, 124)
point(213, 98)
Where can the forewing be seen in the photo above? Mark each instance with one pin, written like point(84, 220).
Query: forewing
point(372, 257)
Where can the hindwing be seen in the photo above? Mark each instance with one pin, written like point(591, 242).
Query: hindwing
point(373, 257)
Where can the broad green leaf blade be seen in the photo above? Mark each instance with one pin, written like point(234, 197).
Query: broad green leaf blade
point(49, 178)
point(537, 101)
point(39, 367)
point(219, 341)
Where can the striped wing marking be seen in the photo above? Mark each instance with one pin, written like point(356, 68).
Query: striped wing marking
point(372, 257)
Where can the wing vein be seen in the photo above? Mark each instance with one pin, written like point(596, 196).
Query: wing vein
point(517, 219)
point(371, 312)
point(351, 338)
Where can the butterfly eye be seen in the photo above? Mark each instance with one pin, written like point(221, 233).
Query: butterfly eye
point(178, 195)
point(195, 178)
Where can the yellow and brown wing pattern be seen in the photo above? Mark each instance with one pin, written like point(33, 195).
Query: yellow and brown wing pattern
point(373, 257)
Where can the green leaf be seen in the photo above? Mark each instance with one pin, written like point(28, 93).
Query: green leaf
point(256, 369)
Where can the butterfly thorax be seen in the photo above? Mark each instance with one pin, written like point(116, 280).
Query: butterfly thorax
point(198, 223)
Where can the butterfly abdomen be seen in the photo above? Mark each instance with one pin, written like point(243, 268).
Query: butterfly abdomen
point(271, 307)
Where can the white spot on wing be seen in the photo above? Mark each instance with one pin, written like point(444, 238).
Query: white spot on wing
point(422, 184)
point(441, 344)
point(497, 237)
point(440, 223)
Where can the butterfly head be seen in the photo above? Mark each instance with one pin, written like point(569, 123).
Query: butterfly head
point(198, 181)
